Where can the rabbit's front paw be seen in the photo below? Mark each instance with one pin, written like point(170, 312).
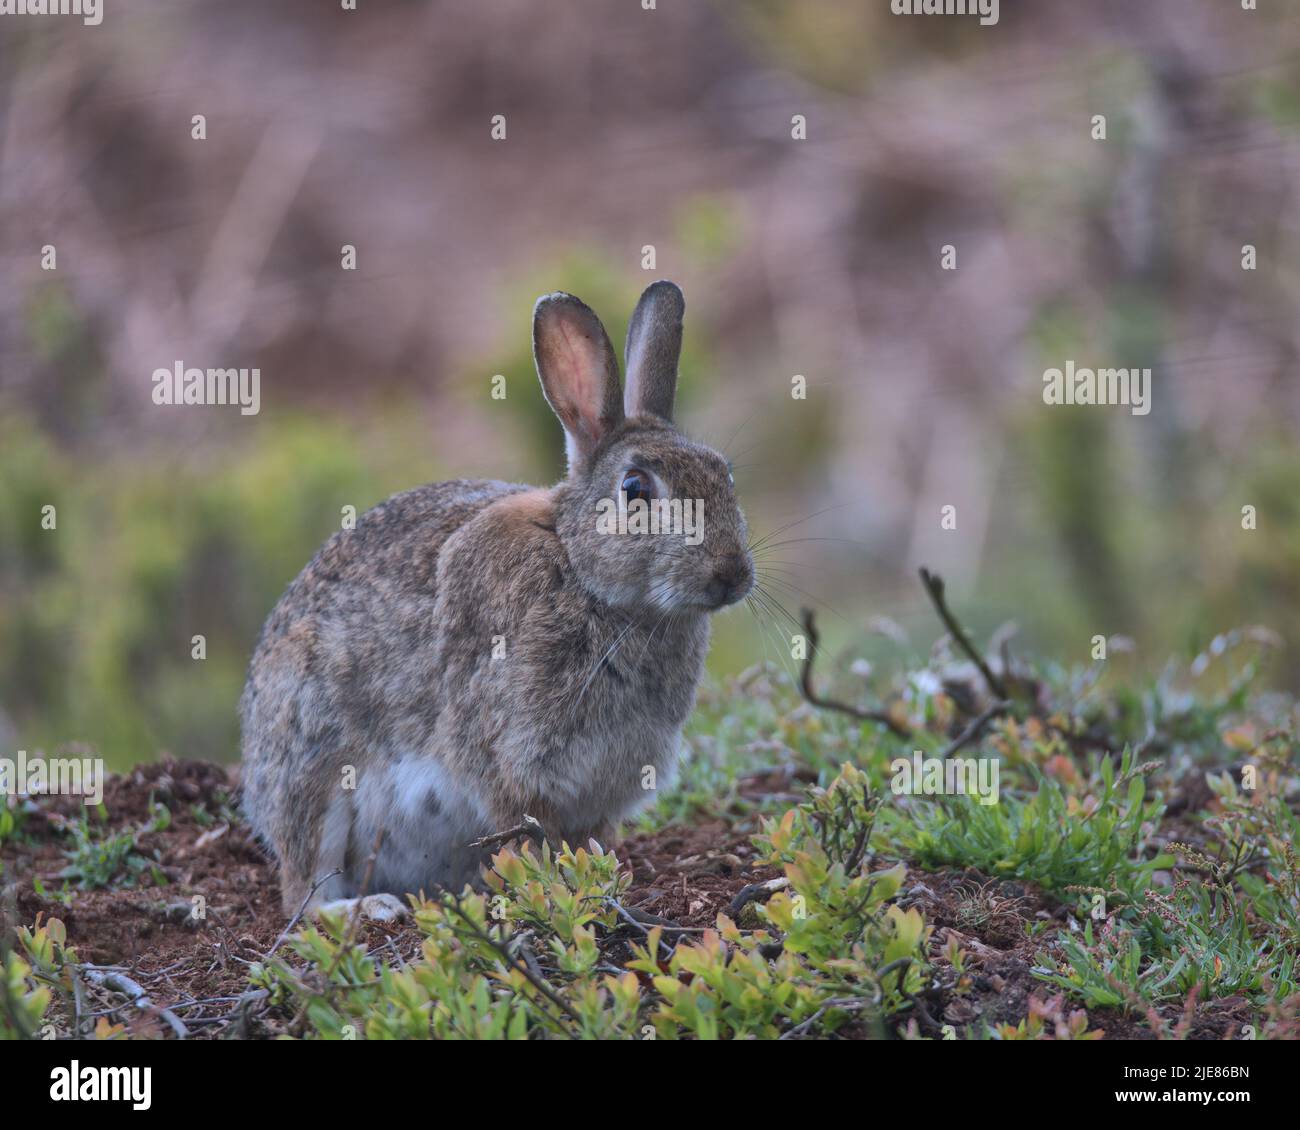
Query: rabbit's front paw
point(376, 908)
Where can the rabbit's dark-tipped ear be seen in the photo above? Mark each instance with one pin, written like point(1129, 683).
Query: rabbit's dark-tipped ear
point(578, 371)
point(654, 344)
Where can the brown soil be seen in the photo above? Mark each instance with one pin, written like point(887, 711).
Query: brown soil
point(682, 875)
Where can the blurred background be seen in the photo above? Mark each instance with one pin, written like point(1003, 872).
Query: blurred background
point(628, 128)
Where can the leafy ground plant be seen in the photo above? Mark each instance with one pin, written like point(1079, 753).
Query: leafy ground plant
point(550, 951)
point(98, 858)
point(1097, 844)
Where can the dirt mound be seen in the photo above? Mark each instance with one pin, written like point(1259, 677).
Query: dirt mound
point(206, 856)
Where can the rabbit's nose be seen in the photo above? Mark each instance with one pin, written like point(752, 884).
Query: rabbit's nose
point(732, 576)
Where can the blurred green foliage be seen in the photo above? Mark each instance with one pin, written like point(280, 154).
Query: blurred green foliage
point(98, 616)
point(1096, 530)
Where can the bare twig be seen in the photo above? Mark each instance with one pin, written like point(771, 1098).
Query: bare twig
point(752, 891)
point(200, 1002)
point(529, 958)
point(529, 827)
point(934, 587)
point(627, 916)
point(647, 922)
point(77, 1007)
point(846, 1004)
point(121, 983)
point(238, 1021)
point(973, 731)
point(316, 886)
point(810, 693)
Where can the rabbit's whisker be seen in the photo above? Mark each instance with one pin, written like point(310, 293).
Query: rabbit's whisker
point(777, 568)
point(595, 669)
point(791, 525)
point(800, 541)
point(736, 434)
point(768, 594)
point(653, 632)
point(792, 587)
point(767, 631)
point(658, 589)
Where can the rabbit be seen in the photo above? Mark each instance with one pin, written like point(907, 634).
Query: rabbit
point(476, 651)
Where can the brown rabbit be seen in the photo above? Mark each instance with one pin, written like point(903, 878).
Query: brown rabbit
point(474, 651)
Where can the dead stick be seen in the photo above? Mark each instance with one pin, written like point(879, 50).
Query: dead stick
point(806, 683)
point(530, 827)
point(934, 587)
point(751, 892)
point(976, 728)
point(121, 983)
point(316, 886)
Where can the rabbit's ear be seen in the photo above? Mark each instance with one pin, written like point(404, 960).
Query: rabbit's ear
point(579, 372)
point(654, 344)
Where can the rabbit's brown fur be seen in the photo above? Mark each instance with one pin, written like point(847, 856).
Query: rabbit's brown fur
point(474, 651)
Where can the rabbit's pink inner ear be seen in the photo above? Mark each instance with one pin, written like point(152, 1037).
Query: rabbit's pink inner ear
point(578, 371)
point(580, 378)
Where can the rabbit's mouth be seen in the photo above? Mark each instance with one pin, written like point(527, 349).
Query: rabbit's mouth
point(728, 584)
point(733, 577)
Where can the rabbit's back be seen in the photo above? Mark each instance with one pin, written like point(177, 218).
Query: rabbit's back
point(336, 671)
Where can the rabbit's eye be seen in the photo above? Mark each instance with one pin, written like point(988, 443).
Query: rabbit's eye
point(636, 484)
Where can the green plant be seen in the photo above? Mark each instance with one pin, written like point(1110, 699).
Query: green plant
point(29, 980)
point(65, 895)
point(1105, 972)
point(1204, 935)
point(11, 817)
point(98, 859)
point(1190, 939)
point(24, 1002)
point(533, 955)
point(516, 961)
point(1051, 838)
point(836, 911)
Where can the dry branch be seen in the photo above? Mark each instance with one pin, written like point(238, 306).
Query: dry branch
point(810, 693)
point(934, 587)
point(529, 827)
point(121, 983)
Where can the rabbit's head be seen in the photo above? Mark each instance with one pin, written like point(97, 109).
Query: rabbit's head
point(649, 519)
